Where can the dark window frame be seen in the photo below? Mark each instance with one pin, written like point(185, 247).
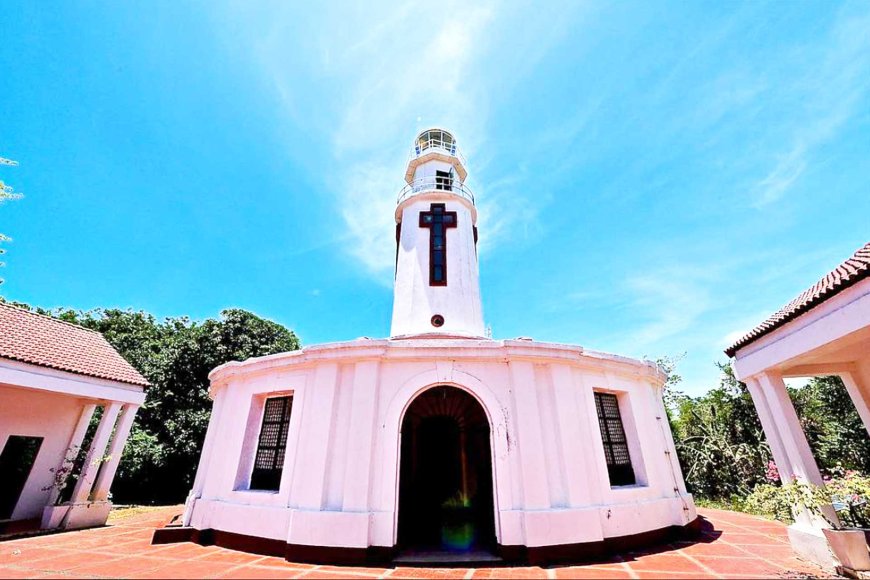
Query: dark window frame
point(616, 450)
point(272, 443)
point(438, 232)
point(444, 180)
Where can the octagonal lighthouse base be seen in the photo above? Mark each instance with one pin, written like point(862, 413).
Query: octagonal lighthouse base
point(370, 450)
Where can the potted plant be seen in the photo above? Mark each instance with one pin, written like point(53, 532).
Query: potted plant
point(847, 535)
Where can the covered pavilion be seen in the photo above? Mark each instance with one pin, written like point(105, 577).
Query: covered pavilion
point(54, 376)
point(824, 331)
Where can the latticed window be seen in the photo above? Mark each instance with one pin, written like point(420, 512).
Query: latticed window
point(272, 443)
point(613, 436)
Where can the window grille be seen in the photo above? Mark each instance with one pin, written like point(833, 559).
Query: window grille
point(269, 461)
point(613, 436)
point(438, 220)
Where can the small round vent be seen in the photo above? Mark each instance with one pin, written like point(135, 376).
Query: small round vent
point(437, 320)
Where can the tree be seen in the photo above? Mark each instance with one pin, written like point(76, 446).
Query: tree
point(175, 355)
point(832, 425)
point(721, 445)
point(719, 440)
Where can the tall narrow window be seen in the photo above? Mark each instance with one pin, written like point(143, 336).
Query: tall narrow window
point(613, 436)
point(437, 220)
point(269, 461)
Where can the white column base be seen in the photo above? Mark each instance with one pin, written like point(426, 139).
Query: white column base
point(809, 543)
point(75, 516)
point(87, 515)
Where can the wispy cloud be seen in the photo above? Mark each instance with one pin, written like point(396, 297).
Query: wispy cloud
point(654, 149)
point(830, 95)
point(390, 71)
point(414, 66)
point(672, 300)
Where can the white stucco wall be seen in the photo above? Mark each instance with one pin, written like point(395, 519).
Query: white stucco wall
point(340, 481)
point(415, 301)
point(38, 414)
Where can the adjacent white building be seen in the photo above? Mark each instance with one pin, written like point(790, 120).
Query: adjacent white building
point(53, 377)
point(824, 331)
point(437, 440)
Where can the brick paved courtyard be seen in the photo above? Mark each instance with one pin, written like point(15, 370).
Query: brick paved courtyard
point(734, 546)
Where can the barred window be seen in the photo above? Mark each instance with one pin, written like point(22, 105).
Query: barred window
point(613, 436)
point(269, 461)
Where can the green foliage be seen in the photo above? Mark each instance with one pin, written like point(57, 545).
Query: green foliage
point(175, 355)
point(719, 440)
point(847, 494)
point(833, 427)
point(850, 495)
point(726, 460)
point(770, 501)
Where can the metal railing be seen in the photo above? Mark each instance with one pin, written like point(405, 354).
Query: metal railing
point(432, 183)
point(438, 146)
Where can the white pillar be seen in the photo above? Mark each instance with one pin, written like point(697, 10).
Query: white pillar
point(309, 479)
point(98, 446)
point(797, 448)
point(771, 432)
point(530, 443)
point(566, 395)
point(116, 449)
point(357, 484)
point(857, 382)
point(803, 464)
point(75, 441)
point(214, 424)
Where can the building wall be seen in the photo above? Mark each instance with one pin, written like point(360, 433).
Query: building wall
point(415, 301)
point(33, 413)
point(340, 481)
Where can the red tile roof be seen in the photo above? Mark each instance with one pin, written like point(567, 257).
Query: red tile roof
point(41, 340)
point(846, 274)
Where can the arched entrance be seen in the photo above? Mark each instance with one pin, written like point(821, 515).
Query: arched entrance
point(445, 478)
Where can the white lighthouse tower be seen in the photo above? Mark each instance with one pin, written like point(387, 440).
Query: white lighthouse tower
point(436, 441)
point(437, 290)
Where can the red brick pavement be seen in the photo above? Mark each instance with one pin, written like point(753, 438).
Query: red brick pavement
point(733, 546)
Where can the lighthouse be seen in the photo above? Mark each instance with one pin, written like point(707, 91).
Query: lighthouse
point(437, 442)
point(437, 288)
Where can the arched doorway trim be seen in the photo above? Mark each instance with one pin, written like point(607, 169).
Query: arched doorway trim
point(496, 414)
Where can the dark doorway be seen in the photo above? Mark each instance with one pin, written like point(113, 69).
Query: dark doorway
point(445, 479)
point(16, 461)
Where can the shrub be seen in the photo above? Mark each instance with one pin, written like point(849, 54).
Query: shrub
point(769, 501)
point(848, 494)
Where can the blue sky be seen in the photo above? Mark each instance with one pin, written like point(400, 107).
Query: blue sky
point(653, 178)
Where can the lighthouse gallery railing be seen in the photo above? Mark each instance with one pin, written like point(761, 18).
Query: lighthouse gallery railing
point(433, 183)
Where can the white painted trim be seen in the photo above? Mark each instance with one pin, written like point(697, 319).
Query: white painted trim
point(841, 315)
point(28, 376)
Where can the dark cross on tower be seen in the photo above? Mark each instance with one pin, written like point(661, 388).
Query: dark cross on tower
point(437, 220)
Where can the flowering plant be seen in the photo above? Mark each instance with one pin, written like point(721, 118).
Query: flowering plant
point(848, 495)
point(66, 476)
point(772, 472)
